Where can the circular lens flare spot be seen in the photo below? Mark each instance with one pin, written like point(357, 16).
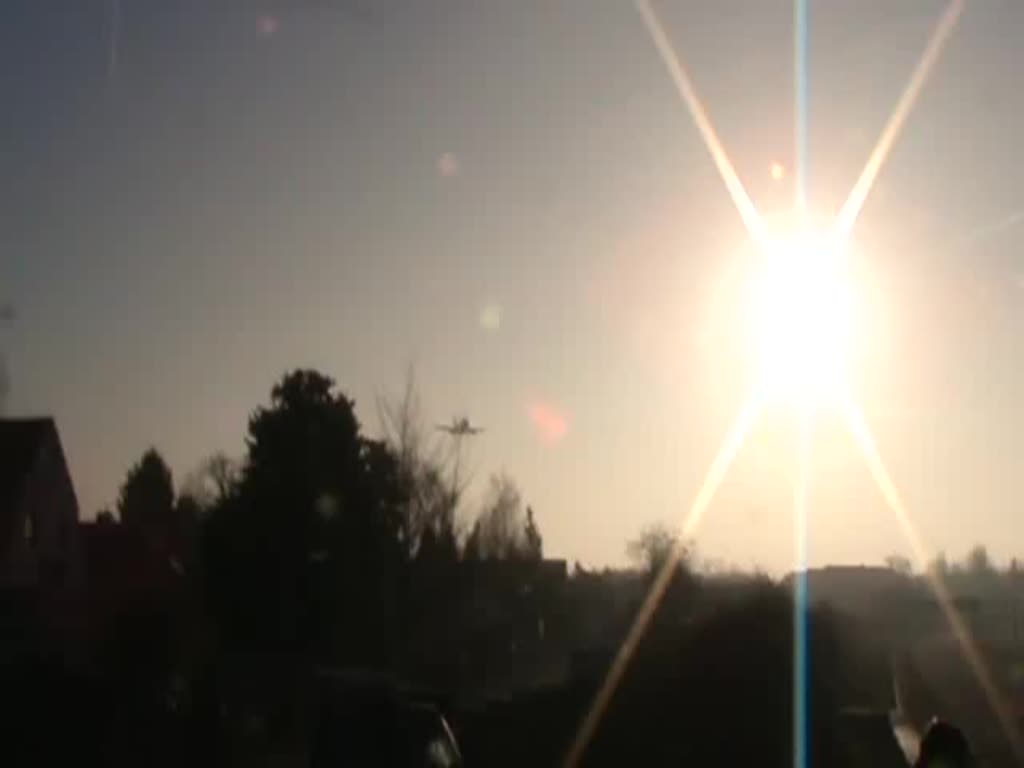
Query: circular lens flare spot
point(551, 424)
point(490, 317)
point(447, 165)
point(268, 25)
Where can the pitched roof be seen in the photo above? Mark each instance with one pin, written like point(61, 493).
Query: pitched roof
point(20, 442)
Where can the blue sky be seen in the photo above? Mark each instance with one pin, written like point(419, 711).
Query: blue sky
point(253, 186)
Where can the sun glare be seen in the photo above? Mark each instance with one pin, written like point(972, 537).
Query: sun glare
point(802, 319)
point(804, 314)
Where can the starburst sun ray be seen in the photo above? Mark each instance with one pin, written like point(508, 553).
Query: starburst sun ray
point(716, 473)
point(840, 231)
point(851, 209)
point(865, 441)
point(752, 219)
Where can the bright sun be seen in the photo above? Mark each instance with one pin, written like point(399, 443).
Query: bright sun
point(803, 319)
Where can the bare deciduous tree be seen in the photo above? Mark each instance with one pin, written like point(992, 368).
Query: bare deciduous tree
point(213, 481)
point(503, 531)
point(431, 501)
point(654, 546)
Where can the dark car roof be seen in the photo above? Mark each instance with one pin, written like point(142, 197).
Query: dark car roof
point(363, 719)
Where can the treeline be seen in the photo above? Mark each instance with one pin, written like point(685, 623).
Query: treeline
point(317, 520)
point(320, 547)
point(211, 605)
point(975, 575)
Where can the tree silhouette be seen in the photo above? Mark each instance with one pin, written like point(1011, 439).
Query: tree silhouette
point(939, 566)
point(222, 472)
point(428, 528)
point(652, 549)
point(503, 531)
point(320, 546)
point(471, 548)
point(533, 544)
point(105, 517)
point(213, 481)
point(146, 500)
point(899, 564)
point(979, 564)
point(304, 444)
point(304, 556)
point(979, 577)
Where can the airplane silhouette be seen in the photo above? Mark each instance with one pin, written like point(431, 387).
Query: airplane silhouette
point(460, 428)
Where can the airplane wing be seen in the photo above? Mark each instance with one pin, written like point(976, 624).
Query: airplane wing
point(445, 428)
point(474, 430)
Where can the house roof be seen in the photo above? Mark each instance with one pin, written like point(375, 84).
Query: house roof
point(20, 443)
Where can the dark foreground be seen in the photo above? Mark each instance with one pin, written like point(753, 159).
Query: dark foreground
point(716, 693)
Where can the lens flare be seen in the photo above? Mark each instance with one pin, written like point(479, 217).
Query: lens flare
point(865, 441)
point(688, 92)
point(803, 315)
point(858, 195)
point(802, 319)
point(716, 473)
point(550, 422)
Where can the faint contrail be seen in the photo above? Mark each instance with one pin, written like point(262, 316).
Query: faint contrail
point(747, 210)
point(851, 208)
point(723, 459)
point(862, 435)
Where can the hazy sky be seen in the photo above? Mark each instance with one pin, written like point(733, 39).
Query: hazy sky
point(511, 197)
